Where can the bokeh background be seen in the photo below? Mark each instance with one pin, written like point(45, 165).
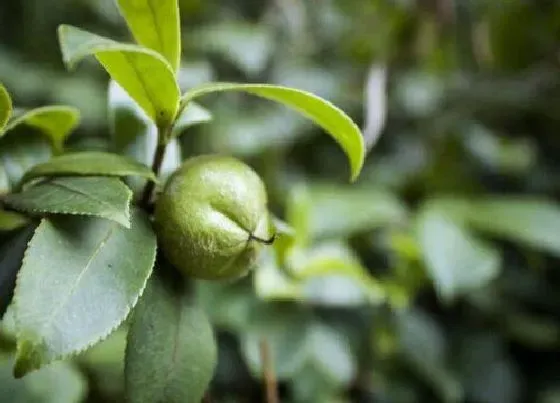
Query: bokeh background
point(435, 277)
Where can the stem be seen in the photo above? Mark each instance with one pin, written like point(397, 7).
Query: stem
point(270, 383)
point(156, 166)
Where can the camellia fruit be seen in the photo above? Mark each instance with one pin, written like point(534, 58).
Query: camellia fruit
point(212, 217)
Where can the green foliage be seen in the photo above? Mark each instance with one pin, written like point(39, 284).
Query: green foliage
point(93, 196)
point(101, 271)
point(431, 279)
point(143, 73)
point(155, 24)
point(5, 106)
point(171, 351)
point(89, 163)
point(55, 122)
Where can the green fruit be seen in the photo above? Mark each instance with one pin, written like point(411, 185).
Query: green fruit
point(212, 217)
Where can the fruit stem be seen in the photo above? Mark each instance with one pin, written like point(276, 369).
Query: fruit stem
point(269, 241)
point(156, 165)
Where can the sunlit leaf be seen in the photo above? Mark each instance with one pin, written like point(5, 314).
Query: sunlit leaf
point(333, 120)
point(171, 352)
point(89, 163)
point(10, 220)
point(155, 24)
point(79, 280)
point(103, 197)
point(144, 74)
point(135, 135)
point(55, 122)
point(5, 107)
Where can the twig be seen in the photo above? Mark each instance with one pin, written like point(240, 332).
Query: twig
point(156, 167)
point(270, 382)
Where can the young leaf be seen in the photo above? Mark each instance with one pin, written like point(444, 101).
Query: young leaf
point(155, 24)
point(171, 352)
point(5, 107)
point(89, 163)
point(11, 256)
point(79, 280)
point(103, 197)
point(456, 261)
point(56, 122)
point(333, 120)
point(10, 220)
point(144, 74)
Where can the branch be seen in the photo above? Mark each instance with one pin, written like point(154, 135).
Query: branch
point(270, 382)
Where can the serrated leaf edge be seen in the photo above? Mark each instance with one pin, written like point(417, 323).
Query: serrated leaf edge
point(98, 340)
point(56, 211)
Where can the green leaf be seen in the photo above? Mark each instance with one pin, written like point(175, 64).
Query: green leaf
point(11, 256)
point(79, 280)
point(89, 163)
point(144, 74)
point(59, 383)
point(532, 222)
point(171, 352)
point(135, 135)
point(333, 120)
point(338, 211)
point(103, 197)
point(456, 261)
point(10, 220)
point(155, 24)
point(56, 122)
point(5, 107)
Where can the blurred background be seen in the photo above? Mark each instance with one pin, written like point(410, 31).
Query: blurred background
point(435, 277)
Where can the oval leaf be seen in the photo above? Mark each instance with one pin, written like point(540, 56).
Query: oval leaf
point(5, 107)
point(456, 261)
point(155, 24)
point(94, 196)
point(79, 280)
point(56, 122)
point(89, 163)
point(135, 135)
point(333, 120)
point(144, 74)
point(171, 352)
